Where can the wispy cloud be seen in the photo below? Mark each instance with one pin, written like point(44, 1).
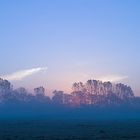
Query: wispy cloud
point(19, 75)
point(113, 78)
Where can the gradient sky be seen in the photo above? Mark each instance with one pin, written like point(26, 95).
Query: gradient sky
point(75, 39)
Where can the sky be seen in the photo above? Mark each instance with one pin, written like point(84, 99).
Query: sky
point(55, 43)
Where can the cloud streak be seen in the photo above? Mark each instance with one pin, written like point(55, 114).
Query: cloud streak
point(19, 75)
point(112, 78)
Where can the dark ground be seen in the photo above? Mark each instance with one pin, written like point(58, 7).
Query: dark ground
point(69, 130)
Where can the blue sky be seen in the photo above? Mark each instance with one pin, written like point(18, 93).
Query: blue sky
point(75, 39)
